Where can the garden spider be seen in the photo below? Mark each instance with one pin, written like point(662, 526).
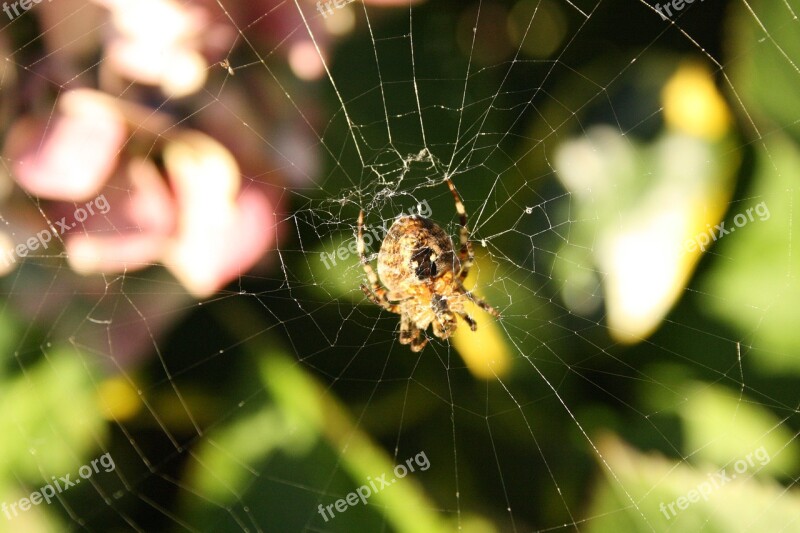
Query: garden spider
point(422, 276)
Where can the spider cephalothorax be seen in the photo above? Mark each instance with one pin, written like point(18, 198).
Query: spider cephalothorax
point(422, 276)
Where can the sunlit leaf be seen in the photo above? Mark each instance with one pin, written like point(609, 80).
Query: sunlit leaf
point(647, 492)
point(42, 433)
point(754, 283)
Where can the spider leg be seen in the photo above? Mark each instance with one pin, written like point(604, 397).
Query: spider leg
point(408, 332)
point(418, 342)
point(376, 293)
point(379, 298)
point(483, 305)
point(444, 326)
point(465, 254)
point(411, 334)
point(469, 320)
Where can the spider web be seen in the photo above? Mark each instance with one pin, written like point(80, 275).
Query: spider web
point(287, 390)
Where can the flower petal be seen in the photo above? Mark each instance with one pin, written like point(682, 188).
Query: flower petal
point(72, 157)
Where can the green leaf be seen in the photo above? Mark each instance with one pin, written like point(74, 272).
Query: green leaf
point(722, 428)
point(651, 493)
point(51, 417)
point(754, 283)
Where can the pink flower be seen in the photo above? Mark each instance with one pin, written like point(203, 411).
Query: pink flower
point(197, 221)
point(185, 194)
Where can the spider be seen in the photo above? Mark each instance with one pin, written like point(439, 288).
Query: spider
point(422, 276)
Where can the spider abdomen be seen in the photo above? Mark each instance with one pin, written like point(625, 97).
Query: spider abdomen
point(415, 251)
